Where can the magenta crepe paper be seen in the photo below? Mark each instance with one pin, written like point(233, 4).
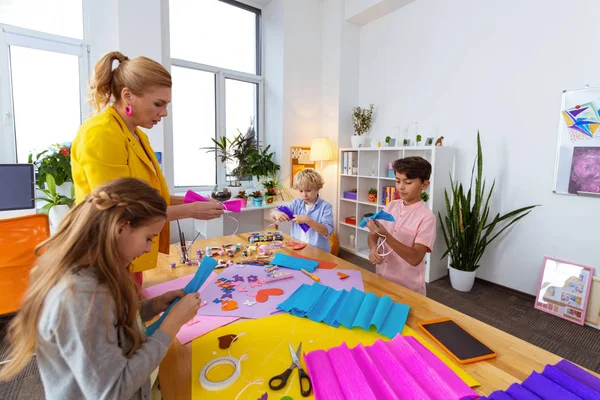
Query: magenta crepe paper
point(399, 369)
point(394, 373)
point(381, 388)
point(429, 379)
point(234, 205)
point(351, 375)
point(323, 377)
point(451, 379)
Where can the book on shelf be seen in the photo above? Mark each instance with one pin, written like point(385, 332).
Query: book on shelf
point(390, 195)
point(349, 163)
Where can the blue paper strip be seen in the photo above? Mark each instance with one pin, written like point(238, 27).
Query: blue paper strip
point(283, 260)
point(351, 309)
point(202, 273)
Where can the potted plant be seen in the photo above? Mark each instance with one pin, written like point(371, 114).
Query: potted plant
point(221, 195)
point(57, 206)
point(390, 142)
point(361, 119)
point(419, 138)
point(242, 196)
point(260, 164)
point(424, 197)
point(257, 198)
point(270, 190)
point(468, 229)
point(373, 195)
point(406, 142)
point(54, 161)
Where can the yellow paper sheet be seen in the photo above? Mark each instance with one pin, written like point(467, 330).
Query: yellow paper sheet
point(266, 345)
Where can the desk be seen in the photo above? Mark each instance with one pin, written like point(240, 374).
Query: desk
point(515, 362)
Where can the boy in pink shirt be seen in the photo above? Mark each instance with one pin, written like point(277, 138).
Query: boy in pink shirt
point(398, 248)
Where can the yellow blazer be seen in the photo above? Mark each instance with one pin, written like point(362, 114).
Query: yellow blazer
point(103, 150)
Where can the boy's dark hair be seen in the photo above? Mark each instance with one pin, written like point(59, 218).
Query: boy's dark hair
point(413, 168)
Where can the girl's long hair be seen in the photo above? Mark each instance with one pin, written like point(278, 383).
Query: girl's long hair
point(87, 238)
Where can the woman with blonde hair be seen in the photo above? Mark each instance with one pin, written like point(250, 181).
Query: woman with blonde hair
point(81, 313)
point(111, 145)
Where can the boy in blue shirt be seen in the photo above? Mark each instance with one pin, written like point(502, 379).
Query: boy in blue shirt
point(309, 209)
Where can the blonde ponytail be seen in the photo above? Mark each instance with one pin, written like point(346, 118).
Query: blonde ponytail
point(138, 75)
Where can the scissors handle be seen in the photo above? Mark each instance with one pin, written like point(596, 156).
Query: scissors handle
point(282, 379)
point(304, 382)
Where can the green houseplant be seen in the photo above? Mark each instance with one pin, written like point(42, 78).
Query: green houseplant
point(361, 119)
point(54, 161)
point(418, 139)
point(57, 205)
point(469, 228)
point(257, 198)
point(270, 190)
point(424, 197)
point(234, 153)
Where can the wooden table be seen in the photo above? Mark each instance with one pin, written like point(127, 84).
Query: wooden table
point(515, 362)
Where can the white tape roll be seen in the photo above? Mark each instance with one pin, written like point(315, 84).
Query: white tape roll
point(216, 386)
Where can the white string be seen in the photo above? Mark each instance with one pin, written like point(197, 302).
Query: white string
point(381, 244)
point(229, 216)
point(244, 356)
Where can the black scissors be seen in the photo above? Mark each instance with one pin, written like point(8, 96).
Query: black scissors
point(302, 376)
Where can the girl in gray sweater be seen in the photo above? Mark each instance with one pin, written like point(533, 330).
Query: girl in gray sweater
point(82, 314)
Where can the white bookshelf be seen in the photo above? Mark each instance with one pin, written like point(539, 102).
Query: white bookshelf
point(372, 166)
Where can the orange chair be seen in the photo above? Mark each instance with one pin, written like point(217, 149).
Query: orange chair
point(18, 239)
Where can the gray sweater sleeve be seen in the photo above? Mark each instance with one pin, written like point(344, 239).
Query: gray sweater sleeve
point(86, 336)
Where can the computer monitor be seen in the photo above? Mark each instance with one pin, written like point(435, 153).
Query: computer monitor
point(17, 189)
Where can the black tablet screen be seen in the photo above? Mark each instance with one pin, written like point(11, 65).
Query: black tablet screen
point(457, 340)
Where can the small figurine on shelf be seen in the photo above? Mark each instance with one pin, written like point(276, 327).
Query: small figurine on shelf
point(419, 138)
point(373, 195)
point(439, 141)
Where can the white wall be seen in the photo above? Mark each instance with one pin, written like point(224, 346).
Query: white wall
point(498, 67)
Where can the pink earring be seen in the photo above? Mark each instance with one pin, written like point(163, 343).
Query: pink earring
point(128, 110)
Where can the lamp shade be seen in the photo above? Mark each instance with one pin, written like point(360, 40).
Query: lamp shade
point(320, 149)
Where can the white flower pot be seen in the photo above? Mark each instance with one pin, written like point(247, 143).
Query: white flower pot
point(65, 189)
point(462, 280)
point(57, 214)
point(358, 141)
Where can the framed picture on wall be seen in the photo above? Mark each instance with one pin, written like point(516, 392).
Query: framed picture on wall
point(300, 160)
point(564, 289)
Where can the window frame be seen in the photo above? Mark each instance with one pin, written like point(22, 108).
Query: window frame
point(23, 37)
point(221, 74)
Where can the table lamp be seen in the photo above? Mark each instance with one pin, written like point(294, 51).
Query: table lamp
point(320, 150)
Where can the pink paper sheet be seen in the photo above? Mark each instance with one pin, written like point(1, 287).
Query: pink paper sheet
point(206, 323)
point(259, 310)
point(399, 369)
point(234, 205)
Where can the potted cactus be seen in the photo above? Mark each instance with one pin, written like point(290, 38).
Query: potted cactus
point(257, 198)
point(242, 196)
point(373, 195)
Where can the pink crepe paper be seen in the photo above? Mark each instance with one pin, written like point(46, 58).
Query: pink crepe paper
point(234, 205)
point(399, 369)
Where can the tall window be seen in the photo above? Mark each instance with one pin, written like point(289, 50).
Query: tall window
point(217, 84)
point(43, 75)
